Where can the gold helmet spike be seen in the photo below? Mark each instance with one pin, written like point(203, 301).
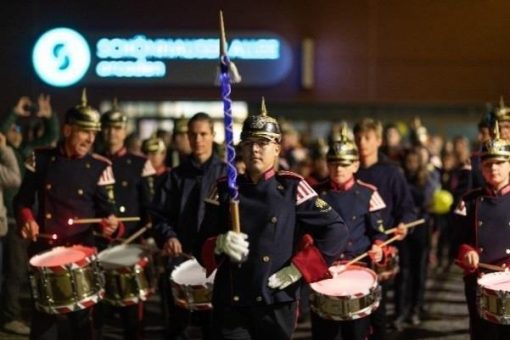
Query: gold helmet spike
point(115, 104)
point(496, 148)
point(261, 125)
point(344, 131)
point(263, 109)
point(83, 115)
point(84, 97)
point(342, 149)
point(502, 112)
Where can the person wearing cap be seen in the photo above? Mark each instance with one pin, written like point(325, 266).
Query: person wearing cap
point(359, 204)
point(179, 206)
point(482, 217)
point(133, 175)
point(378, 170)
point(67, 181)
point(155, 150)
point(180, 147)
point(287, 233)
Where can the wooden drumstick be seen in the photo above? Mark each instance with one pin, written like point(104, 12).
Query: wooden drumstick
point(72, 221)
point(365, 254)
point(492, 267)
point(138, 233)
point(488, 266)
point(47, 236)
point(407, 225)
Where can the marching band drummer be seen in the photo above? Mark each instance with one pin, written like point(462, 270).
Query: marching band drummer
point(133, 177)
point(256, 286)
point(359, 204)
point(68, 182)
point(483, 216)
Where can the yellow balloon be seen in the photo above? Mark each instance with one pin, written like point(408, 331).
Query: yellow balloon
point(442, 201)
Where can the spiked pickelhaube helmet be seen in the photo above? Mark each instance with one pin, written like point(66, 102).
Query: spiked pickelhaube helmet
point(496, 148)
point(153, 144)
point(83, 115)
point(181, 125)
point(261, 126)
point(114, 117)
point(342, 149)
point(502, 111)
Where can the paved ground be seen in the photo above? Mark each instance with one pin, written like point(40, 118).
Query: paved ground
point(446, 315)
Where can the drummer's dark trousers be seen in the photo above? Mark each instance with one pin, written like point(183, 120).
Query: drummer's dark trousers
point(275, 322)
point(75, 325)
point(15, 252)
point(131, 319)
point(479, 328)
point(323, 329)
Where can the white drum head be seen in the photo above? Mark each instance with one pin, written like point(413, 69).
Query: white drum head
point(351, 281)
point(191, 273)
point(59, 256)
point(496, 281)
point(121, 256)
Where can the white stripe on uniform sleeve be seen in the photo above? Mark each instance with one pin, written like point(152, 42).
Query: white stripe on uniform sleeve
point(461, 209)
point(106, 177)
point(304, 192)
point(376, 202)
point(148, 169)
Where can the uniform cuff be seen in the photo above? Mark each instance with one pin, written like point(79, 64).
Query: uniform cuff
point(26, 215)
point(120, 230)
point(310, 262)
point(463, 250)
point(208, 256)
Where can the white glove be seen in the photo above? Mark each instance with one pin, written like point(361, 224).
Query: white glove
point(234, 245)
point(284, 277)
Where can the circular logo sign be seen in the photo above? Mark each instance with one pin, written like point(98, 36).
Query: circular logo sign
point(61, 57)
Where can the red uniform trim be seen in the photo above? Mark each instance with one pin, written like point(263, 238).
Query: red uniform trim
point(120, 230)
point(26, 215)
point(101, 158)
point(343, 187)
point(463, 250)
point(309, 261)
point(208, 256)
point(370, 186)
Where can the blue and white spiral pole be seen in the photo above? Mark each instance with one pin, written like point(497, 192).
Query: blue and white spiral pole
point(227, 69)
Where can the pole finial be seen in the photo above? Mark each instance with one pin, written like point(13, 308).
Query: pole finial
point(223, 37)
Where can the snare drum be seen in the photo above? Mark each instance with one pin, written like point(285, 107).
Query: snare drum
point(351, 294)
point(190, 288)
point(128, 274)
point(65, 279)
point(390, 269)
point(493, 297)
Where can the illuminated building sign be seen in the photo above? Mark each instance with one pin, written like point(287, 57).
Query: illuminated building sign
point(63, 57)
